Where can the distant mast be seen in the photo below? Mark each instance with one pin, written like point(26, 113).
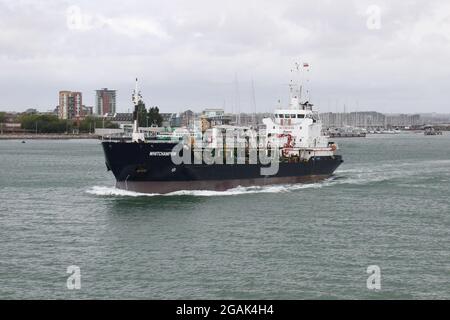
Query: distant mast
point(295, 88)
point(136, 98)
point(299, 100)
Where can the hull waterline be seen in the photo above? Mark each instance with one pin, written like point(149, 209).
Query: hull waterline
point(163, 187)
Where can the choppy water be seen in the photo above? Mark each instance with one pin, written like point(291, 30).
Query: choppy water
point(388, 205)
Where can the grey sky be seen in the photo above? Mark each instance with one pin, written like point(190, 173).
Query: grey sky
point(188, 53)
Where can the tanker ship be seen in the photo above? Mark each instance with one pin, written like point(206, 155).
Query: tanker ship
point(289, 148)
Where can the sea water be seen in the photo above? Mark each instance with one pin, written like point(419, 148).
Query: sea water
point(388, 205)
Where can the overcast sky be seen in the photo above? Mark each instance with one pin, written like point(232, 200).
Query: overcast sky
point(387, 56)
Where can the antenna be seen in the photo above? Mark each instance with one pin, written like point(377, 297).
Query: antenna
point(254, 103)
point(295, 87)
point(136, 97)
point(237, 99)
point(306, 67)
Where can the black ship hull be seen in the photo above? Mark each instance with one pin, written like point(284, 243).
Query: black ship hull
point(148, 168)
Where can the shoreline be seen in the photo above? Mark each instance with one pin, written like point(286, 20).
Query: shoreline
point(46, 136)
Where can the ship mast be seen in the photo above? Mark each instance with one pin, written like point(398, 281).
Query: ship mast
point(297, 85)
point(136, 98)
point(295, 89)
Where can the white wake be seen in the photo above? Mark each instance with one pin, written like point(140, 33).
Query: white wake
point(360, 175)
point(113, 191)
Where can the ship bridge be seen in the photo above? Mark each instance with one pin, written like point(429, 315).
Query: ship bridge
point(294, 116)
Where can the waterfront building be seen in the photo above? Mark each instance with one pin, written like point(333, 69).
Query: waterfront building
point(249, 119)
point(105, 100)
point(169, 119)
point(31, 111)
point(88, 111)
point(10, 123)
point(402, 120)
point(214, 117)
point(435, 118)
point(369, 120)
point(186, 118)
point(70, 105)
point(123, 118)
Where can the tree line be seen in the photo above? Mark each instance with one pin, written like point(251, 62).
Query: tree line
point(52, 124)
point(46, 123)
point(147, 118)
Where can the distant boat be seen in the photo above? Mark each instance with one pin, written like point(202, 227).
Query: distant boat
point(346, 132)
point(23, 141)
point(385, 131)
point(431, 131)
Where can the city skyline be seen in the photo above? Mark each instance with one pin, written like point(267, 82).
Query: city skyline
point(368, 56)
point(198, 109)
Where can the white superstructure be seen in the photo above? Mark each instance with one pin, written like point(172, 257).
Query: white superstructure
point(297, 129)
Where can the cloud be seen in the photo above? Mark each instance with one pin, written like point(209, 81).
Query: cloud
point(188, 53)
point(130, 26)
